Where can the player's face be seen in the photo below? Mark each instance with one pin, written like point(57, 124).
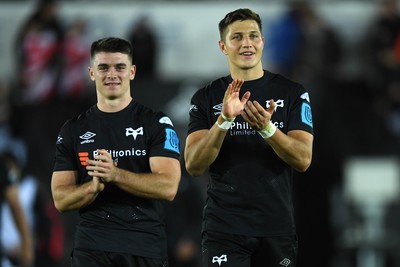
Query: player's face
point(243, 44)
point(112, 73)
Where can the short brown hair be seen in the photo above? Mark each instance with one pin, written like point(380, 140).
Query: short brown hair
point(238, 14)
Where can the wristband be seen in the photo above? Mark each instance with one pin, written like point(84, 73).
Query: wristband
point(226, 118)
point(268, 131)
point(226, 125)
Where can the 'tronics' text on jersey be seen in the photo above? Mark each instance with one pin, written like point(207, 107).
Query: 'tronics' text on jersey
point(250, 187)
point(131, 136)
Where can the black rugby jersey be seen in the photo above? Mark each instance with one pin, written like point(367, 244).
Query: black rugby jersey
point(118, 221)
point(250, 187)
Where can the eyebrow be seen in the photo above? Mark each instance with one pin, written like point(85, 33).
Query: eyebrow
point(106, 65)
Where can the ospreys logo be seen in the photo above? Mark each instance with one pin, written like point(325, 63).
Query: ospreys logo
point(219, 260)
point(134, 132)
point(279, 103)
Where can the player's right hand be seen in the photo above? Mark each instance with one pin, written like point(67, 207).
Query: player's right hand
point(232, 105)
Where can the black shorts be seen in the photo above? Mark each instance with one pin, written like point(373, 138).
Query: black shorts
point(220, 249)
point(89, 258)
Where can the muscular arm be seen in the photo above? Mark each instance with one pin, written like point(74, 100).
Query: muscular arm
point(27, 255)
point(67, 195)
point(295, 148)
point(203, 146)
point(161, 183)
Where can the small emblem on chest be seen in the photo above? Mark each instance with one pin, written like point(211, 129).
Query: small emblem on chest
point(134, 132)
point(87, 137)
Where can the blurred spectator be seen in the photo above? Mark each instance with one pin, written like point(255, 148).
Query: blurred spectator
point(39, 65)
point(10, 174)
point(283, 38)
point(383, 63)
point(5, 113)
point(143, 39)
point(37, 207)
point(38, 47)
point(320, 50)
point(76, 50)
point(303, 46)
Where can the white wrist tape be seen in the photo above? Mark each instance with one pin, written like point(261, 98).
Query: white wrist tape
point(226, 118)
point(226, 125)
point(268, 131)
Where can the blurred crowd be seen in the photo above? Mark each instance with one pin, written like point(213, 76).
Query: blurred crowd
point(358, 116)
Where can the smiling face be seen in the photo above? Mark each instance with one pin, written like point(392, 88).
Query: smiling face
point(243, 44)
point(112, 73)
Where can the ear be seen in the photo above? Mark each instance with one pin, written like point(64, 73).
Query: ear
point(222, 47)
point(91, 73)
point(133, 72)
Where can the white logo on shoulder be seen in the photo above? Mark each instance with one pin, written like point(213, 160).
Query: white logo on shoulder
point(87, 137)
point(134, 133)
point(305, 96)
point(59, 140)
point(285, 262)
point(220, 259)
point(166, 120)
point(193, 108)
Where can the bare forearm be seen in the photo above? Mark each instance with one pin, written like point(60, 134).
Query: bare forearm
point(149, 185)
point(294, 152)
point(22, 226)
point(73, 197)
point(199, 155)
point(21, 223)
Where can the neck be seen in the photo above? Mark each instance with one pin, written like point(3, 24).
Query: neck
point(247, 74)
point(113, 105)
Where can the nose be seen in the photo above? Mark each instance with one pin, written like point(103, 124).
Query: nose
point(111, 73)
point(246, 41)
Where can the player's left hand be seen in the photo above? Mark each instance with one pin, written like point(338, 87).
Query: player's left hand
point(256, 115)
point(102, 166)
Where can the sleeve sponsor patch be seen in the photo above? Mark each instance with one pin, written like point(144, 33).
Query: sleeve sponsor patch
point(306, 115)
point(171, 140)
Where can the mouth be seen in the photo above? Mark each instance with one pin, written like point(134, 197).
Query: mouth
point(112, 84)
point(247, 54)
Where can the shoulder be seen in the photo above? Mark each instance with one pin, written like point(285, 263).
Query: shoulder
point(79, 119)
point(82, 116)
point(283, 80)
point(150, 116)
point(145, 112)
point(286, 84)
